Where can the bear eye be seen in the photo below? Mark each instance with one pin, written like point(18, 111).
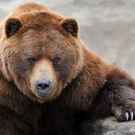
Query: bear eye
point(31, 60)
point(56, 60)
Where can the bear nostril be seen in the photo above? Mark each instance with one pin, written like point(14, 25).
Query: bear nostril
point(42, 86)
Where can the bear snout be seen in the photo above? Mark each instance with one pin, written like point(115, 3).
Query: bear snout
point(43, 87)
point(43, 79)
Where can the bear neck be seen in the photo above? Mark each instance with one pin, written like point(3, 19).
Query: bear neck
point(82, 90)
point(12, 99)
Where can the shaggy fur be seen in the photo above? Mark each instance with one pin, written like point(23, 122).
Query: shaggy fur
point(86, 87)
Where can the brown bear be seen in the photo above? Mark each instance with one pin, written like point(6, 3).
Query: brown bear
point(51, 82)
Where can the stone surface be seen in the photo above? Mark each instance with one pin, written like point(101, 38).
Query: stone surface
point(109, 126)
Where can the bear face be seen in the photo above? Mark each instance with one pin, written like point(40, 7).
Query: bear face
point(41, 56)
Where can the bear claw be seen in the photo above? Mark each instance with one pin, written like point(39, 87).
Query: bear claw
point(127, 116)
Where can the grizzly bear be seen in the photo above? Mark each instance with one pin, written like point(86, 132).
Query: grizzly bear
point(51, 83)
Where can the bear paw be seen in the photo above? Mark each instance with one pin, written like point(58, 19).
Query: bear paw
point(126, 116)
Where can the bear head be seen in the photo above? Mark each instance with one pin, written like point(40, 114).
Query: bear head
point(40, 53)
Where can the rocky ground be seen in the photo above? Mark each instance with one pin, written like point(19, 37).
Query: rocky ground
point(107, 27)
point(110, 126)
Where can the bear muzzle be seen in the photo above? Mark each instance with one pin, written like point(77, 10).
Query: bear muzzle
point(43, 79)
point(43, 87)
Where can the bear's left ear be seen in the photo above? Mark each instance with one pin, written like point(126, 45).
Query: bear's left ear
point(12, 26)
point(70, 25)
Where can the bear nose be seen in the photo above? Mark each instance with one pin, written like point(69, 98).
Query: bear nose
point(42, 87)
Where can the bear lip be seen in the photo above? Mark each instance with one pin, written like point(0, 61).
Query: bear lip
point(44, 93)
point(41, 93)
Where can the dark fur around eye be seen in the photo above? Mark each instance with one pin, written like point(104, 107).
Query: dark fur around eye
point(31, 60)
point(56, 60)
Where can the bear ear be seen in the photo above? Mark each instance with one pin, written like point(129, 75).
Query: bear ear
point(12, 26)
point(70, 25)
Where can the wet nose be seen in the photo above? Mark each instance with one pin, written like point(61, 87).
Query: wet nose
point(43, 86)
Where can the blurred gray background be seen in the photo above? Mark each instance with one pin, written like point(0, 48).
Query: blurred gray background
point(106, 26)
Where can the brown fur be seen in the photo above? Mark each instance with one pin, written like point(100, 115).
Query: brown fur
point(27, 8)
point(85, 83)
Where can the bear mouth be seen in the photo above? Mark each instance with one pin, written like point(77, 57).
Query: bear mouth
point(42, 93)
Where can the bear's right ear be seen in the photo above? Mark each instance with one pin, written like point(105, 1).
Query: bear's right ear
point(12, 26)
